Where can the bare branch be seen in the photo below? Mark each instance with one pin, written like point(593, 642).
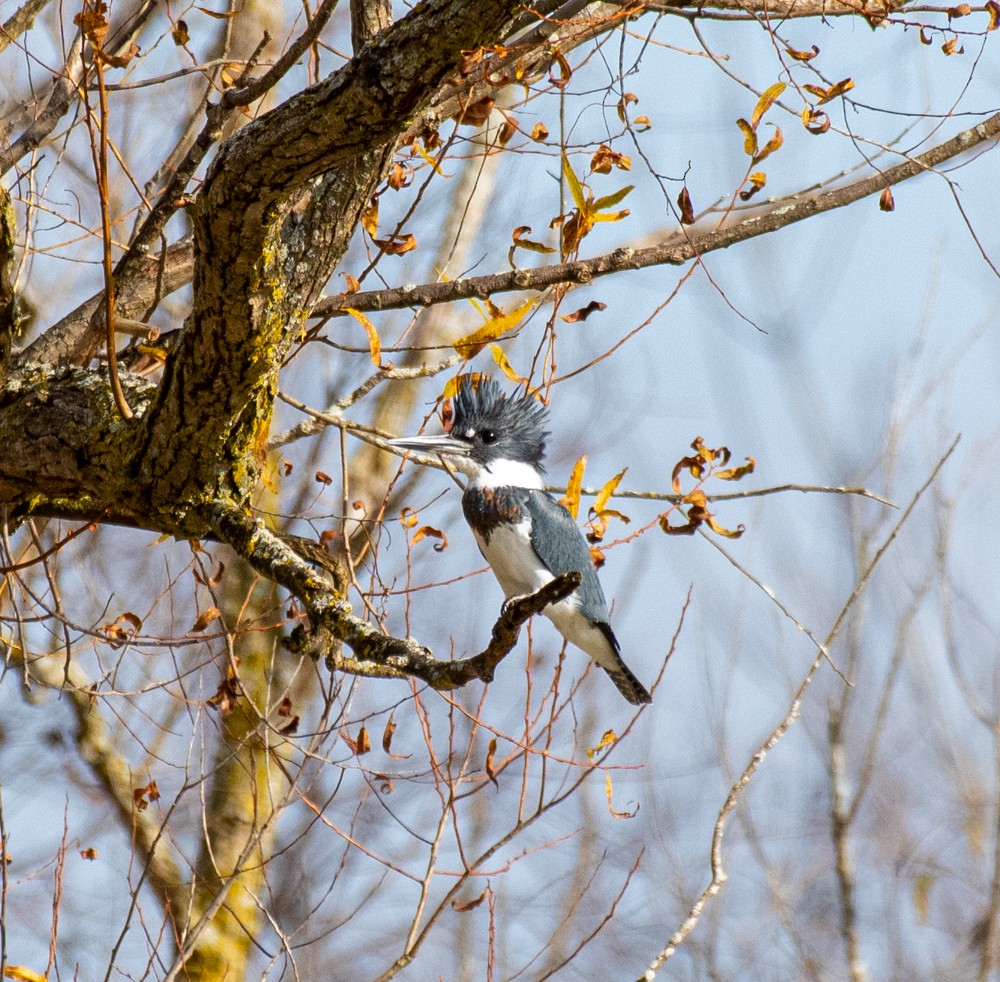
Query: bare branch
point(244, 95)
point(719, 875)
point(680, 248)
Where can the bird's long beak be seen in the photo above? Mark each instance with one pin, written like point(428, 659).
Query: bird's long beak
point(443, 445)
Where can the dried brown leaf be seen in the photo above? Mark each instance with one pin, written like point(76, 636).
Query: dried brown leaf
point(584, 312)
point(205, 618)
point(491, 751)
point(427, 531)
point(686, 207)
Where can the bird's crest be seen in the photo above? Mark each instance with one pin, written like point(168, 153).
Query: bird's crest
point(482, 405)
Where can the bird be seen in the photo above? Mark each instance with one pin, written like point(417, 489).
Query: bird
point(527, 537)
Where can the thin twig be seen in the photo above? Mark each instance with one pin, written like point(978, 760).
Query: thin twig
point(718, 872)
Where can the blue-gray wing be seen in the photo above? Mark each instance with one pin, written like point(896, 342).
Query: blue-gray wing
point(560, 545)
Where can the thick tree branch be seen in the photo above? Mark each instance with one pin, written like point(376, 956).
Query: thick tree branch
point(8, 301)
point(152, 279)
point(679, 248)
point(259, 266)
point(332, 620)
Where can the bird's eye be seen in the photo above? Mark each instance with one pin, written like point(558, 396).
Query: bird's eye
point(488, 436)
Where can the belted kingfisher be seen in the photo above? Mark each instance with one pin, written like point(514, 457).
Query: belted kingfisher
point(526, 536)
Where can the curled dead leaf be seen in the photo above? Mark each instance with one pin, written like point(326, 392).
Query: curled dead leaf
point(605, 158)
point(623, 103)
point(802, 55)
point(815, 120)
point(584, 312)
point(616, 814)
point(426, 531)
point(506, 132)
point(757, 180)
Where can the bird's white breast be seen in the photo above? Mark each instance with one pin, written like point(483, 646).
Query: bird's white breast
point(512, 558)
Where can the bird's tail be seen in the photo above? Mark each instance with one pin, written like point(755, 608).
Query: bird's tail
point(628, 685)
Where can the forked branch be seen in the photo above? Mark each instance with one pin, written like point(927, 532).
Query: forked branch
point(332, 621)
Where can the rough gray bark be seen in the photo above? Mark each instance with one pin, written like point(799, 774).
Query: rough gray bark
point(273, 217)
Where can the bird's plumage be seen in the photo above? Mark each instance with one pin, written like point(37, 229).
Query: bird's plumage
point(526, 536)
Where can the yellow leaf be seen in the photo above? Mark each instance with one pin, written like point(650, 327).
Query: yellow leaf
point(539, 132)
point(802, 55)
point(575, 188)
point(407, 518)
point(522, 243)
point(572, 497)
point(427, 531)
point(606, 741)
point(735, 473)
point(608, 489)
point(565, 72)
point(374, 344)
point(769, 97)
point(504, 365)
point(815, 120)
point(722, 530)
point(773, 144)
point(451, 388)
point(607, 792)
point(610, 200)
point(430, 160)
point(757, 181)
point(610, 216)
point(369, 218)
point(994, 8)
point(23, 974)
point(749, 137)
point(840, 88)
point(825, 95)
point(473, 343)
